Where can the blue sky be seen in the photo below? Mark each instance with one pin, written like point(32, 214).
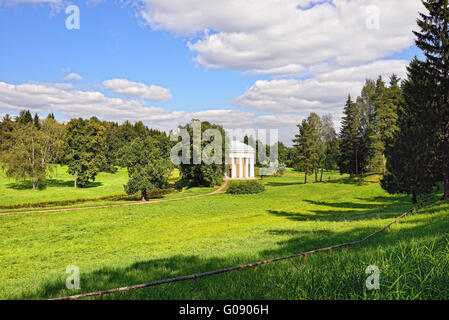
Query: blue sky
point(251, 71)
point(109, 44)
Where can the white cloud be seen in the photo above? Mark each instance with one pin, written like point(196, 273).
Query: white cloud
point(285, 36)
point(326, 93)
point(46, 97)
point(73, 76)
point(55, 5)
point(75, 103)
point(138, 90)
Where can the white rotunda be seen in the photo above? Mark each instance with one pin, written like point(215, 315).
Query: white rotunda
point(240, 164)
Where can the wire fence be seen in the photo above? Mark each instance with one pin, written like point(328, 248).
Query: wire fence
point(100, 294)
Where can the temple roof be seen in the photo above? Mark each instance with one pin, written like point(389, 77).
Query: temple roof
point(240, 147)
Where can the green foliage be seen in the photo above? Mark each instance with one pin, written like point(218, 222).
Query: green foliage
point(369, 138)
point(433, 40)
point(418, 156)
point(148, 163)
point(281, 168)
point(86, 148)
point(24, 117)
point(203, 174)
point(245, 187)
point(409, 155)
point(117, 136)
point(28, 149)
point(377, 106)
point(307, 144)
point(352, 156)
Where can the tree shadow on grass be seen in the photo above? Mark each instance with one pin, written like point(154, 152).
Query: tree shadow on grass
point(380, 207)
point(243, 284)
point(282, 184)
point(27, 184)
point(419, 228)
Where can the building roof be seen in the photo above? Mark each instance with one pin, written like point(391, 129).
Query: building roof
point(240, 147)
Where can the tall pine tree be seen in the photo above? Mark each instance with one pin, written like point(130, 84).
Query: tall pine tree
point(409, 158)
point(306, 144)
point(433, 40)
point(350, 140)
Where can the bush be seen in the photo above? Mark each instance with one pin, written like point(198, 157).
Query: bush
point(245, 187)
point(281, 170)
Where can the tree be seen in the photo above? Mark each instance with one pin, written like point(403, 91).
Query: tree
point(386, 114)
point(408, 151)
point(330, 144)
point(30, 150)
point(203, 174)
point(6, 128)
point(86, 148)
point(350, 140)
point(318, 160)
point(37, 121)
point(148, 163)
point(306, 144)
point(433, 40)
point(366, 103)
point(24, 117)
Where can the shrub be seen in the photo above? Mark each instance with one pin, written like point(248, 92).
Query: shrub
point(281, 170)
point(245, 187)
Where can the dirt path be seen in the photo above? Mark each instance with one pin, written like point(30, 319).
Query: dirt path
point(219, 190)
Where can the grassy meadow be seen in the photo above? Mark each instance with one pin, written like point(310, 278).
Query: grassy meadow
point(58, 191)
point(122, 246)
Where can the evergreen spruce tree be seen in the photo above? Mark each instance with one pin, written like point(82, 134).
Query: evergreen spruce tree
point(37, 121)
point(24, 117)
point(433, 40)
point(307, 146)
point(409, 158)
point(350, 140)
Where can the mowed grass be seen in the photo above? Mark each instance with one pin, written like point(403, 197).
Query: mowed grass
point(60, 187)
point(58, 192)
point(123, 246)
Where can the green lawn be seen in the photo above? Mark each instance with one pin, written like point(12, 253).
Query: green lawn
point(59, 187)
point(129, 245)
point(58, 192)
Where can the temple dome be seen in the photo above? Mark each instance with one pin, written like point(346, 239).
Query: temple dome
point(240, 147)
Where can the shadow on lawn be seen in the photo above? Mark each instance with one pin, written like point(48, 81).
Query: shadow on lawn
point(26, 185)
point(244, 284)
point(378, 207)
point(365, 180)
point(282, 184)
point(349, 211)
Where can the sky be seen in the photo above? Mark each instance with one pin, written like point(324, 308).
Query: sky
point(243, 64)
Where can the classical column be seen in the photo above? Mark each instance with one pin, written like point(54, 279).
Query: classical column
point(251, 167)
point(240, 167)
point(234, 174)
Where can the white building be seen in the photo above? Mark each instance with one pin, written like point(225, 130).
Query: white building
point(240, 163)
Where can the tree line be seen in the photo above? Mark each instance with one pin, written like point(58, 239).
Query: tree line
point(30, 148)
point(400, 129)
